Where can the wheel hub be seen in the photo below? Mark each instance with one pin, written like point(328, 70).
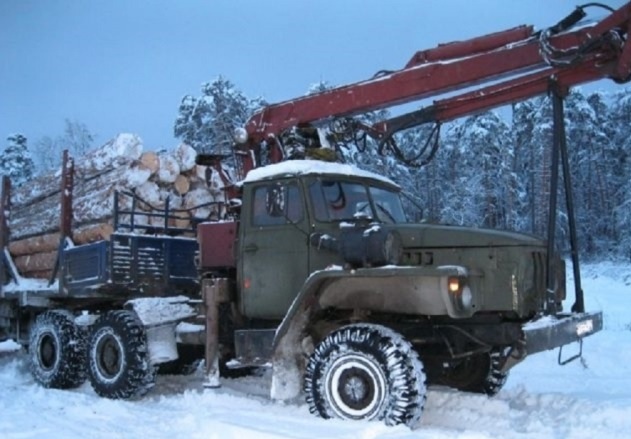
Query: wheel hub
point(356, 387)
point(109, 356)
point(47, 352)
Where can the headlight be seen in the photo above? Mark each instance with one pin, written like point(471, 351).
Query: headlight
point(460, 292)
point(454, 285)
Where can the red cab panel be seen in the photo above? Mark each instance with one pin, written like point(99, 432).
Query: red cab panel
point(216, 244)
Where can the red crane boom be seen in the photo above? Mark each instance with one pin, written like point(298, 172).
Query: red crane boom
point(486, 71)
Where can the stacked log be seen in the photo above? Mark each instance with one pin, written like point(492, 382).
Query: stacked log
point(166, 180)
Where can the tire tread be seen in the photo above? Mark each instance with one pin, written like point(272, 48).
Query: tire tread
point(69, 372)
point(400, 363)
point(139, 376)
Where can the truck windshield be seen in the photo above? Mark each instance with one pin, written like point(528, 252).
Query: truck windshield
point(338, 200)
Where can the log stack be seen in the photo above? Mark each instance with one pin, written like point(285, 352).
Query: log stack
point(119, 165)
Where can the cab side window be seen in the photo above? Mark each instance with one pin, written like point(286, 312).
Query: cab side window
point(276, 204)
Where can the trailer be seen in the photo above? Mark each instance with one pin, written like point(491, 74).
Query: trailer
point(111, 308)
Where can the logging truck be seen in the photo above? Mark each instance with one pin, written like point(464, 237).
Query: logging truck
point(313, 267)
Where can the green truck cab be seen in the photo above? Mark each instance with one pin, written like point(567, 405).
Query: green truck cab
point(324, 277)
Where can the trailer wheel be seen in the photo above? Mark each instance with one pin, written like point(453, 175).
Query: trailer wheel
point(57, 351)
point(368, 372)
point(477, 374)
point(118, 358)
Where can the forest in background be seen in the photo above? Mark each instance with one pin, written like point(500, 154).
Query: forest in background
point(488, 170)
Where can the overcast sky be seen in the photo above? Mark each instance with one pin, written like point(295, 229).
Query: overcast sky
point(124, 65)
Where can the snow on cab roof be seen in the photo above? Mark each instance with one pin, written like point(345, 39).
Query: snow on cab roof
point(304, 167)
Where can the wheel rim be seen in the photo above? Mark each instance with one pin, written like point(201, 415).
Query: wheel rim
point(356, 386)
point(47, 351)
point(109, 356)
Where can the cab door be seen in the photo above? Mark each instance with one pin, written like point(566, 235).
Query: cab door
point(274, 248)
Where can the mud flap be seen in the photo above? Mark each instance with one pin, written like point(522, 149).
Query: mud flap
point(551, 332)
point(253, 347)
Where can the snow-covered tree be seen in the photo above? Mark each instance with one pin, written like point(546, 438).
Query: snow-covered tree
point(482, 182)
point(589, 149)
point(526, 156)
point(47, 154)
point(16, 162)
point(541, 141)
point(596, 165)
point(621, 119)
point(76, 138)
point(207, 122)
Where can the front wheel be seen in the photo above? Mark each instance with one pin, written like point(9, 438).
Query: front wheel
point(366, 371)
point(118, 358)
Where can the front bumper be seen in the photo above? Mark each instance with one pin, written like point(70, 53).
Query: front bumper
point(550, 332)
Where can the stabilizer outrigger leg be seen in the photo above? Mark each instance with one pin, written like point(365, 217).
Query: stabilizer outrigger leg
point(560, 153)
point(560, 156)
point(215, 291)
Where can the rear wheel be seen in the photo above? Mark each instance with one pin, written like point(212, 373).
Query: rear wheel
point(118, 358)
point(366, 372)
point(479, 373)
point(57, 351)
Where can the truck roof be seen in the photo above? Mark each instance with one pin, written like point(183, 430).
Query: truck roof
point(292, 168)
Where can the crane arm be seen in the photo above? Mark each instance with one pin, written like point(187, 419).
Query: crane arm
point(611, 60)
point(480, 73)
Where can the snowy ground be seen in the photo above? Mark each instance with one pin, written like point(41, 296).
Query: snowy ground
point(591, 399)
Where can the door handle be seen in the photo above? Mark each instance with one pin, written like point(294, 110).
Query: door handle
point(251, 248)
